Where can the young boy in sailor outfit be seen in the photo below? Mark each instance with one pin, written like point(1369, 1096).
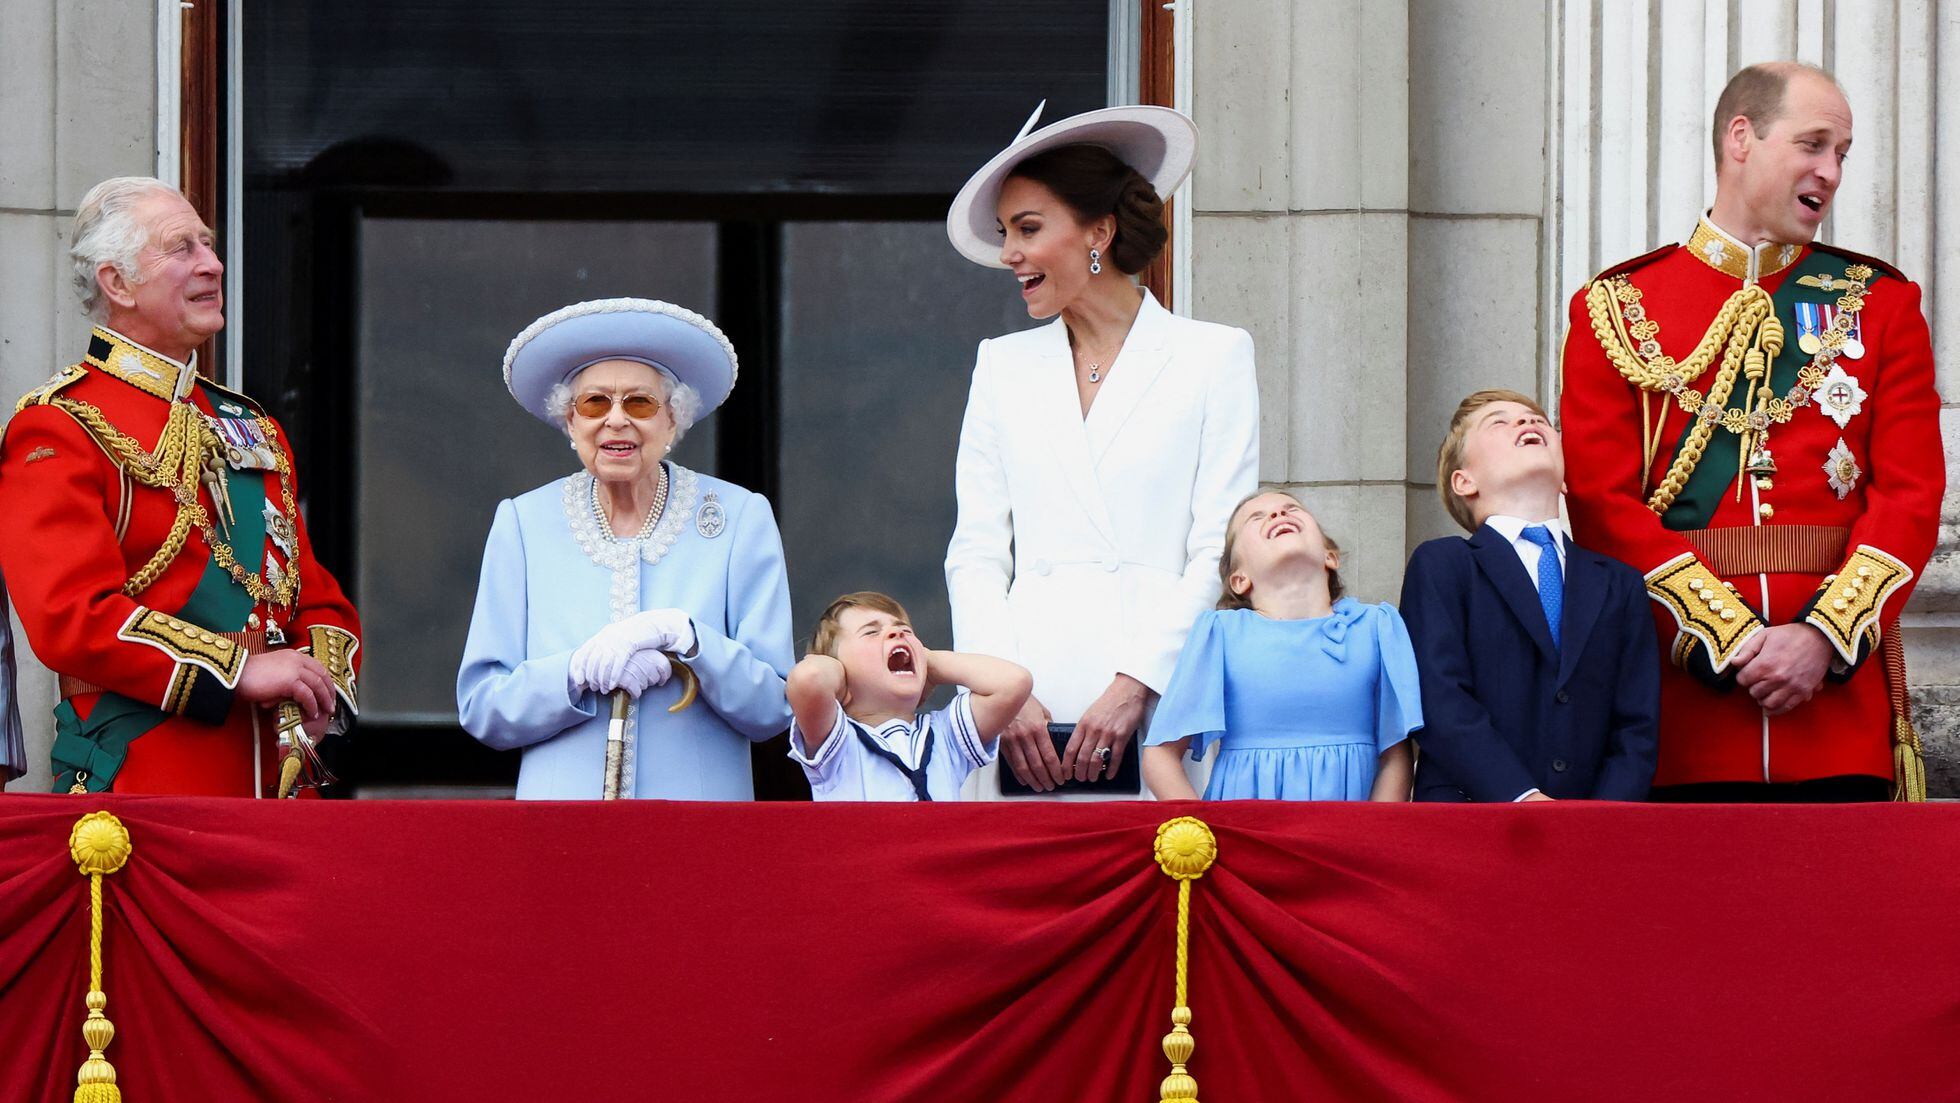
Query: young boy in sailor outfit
point(858, 731)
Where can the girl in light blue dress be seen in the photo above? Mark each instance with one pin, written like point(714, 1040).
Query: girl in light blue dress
point(1309, 695)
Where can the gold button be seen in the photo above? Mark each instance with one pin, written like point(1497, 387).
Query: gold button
point(1840, 605)
point(1829, 578)
point(1766, 510)
point(1765, 484)
point(1728, 614)
point(1694, 584)
point(1715, 606)
point(1864, 572)
point(206, 637)
point(252, 622)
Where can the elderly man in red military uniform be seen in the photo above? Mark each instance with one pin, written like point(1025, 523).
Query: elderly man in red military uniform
point(151, 539)
point(1722, 405)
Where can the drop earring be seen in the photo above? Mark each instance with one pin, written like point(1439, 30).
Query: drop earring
point(1095, 262)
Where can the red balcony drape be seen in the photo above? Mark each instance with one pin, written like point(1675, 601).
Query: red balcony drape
point(493, 951)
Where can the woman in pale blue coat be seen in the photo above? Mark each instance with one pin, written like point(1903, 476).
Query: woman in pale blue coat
point(592, 581)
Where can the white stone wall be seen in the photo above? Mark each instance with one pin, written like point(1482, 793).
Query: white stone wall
point(77, 104)
point(1399, 199)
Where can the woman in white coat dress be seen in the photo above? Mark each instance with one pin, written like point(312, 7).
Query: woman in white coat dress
point(1101, 455)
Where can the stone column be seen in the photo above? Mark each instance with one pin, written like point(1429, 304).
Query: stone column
point(1301, 235)
point(78, 96)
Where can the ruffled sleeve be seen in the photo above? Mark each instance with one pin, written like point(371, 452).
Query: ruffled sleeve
point(1194, 702)
point(1398, 694)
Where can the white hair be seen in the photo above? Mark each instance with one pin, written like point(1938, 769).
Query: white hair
point(683, 401)
point(106, 233)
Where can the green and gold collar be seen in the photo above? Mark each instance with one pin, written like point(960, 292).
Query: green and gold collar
point(1717, 249)
point(145, 369)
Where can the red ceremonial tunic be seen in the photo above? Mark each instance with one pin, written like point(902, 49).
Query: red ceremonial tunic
point(1857, 524)
point(80, 526)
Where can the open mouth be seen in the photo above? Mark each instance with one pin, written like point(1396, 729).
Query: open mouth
point(899, 660)
point(1282, 528)
point(1031, 281)
point(1530, 438)
point(207, 297)
point(618, 448)
point(1812, 201)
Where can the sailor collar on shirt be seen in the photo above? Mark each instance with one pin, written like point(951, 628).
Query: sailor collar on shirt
point(1721, 251)
point(903, 739)
point(144, 368)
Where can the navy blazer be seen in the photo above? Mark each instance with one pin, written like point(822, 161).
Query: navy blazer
point(1504, 711)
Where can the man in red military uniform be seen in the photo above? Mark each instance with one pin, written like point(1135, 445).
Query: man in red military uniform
point(1722, 405)
point(150, 535)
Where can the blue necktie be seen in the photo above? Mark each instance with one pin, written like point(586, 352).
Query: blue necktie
point(1551, 582)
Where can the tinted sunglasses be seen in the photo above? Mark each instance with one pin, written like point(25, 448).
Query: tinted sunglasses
point(639, 407)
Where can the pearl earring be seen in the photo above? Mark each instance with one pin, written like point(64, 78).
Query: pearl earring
point(1095, 262)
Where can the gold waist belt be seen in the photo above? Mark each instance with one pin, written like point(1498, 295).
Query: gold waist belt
point(1770, 549)
point(252, 642)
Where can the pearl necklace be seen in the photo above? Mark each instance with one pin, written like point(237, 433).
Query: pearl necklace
point(653, 514)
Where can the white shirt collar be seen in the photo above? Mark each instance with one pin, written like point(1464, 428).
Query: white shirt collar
point(1512, 529)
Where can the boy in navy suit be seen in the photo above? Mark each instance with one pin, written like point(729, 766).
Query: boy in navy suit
point(1540, 675)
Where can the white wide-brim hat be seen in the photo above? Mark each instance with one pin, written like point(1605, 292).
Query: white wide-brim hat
point(1156, 141)
point(570, 339)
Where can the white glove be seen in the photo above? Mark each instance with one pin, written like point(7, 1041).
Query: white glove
point(645, 669)
point(600, 662)
point(597, 663)
point(660, 629)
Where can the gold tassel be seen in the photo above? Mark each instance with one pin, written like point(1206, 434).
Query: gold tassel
point(1908, 756)
point(100, 845)
point(1908, 762)
point(1185, 849)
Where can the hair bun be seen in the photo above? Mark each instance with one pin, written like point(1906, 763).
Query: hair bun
point(1140, 229)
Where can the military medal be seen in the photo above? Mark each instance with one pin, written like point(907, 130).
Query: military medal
point(1854, 345)
point(1761, 462)
point(1810, 327)
point(1839, 396)
point(710, 519)
point(1842, 469)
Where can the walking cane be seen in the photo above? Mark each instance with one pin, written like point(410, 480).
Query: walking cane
point(616, 727)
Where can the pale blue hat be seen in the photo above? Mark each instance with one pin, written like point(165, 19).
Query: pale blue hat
point(570, 339)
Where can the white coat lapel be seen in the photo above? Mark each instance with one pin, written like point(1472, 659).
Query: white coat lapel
point(1053, 391)
point(1145, 352)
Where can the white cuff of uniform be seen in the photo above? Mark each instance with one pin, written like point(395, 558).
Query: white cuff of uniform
point(1520, 797)
point(966, 731)
point(827, 755)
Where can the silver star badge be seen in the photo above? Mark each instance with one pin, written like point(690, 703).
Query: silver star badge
point(280, 529)
point(1839, 396)
point(1841, 469)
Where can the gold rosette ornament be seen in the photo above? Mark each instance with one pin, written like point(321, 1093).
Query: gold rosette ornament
point(100, 845)
point(1185, 849)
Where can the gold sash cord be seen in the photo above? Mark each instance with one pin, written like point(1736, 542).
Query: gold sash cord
point(1819, 549)
point(1185, 849)
point(100, 845)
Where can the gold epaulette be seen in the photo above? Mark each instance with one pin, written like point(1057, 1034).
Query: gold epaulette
point(1848, 605)
point(1705, 609)
point(40, 395)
